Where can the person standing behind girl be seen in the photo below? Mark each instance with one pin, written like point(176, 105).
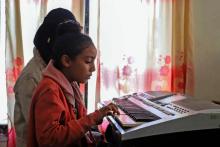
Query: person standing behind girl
point(57, 115)
point(32, 72)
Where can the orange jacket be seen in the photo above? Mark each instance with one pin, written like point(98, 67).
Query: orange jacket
point(53, 121)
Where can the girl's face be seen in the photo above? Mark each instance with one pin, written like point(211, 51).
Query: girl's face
point(80, 69)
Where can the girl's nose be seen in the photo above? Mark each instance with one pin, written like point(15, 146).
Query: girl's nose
point(92, 68)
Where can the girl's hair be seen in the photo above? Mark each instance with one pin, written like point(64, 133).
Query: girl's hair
point(70, 44)
point(46, 34)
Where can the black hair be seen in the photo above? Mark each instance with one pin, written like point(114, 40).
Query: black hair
point(70, 44)
point(68, 26)
point(46, 34)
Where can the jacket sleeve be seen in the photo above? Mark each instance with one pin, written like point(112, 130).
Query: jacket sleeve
point(23, 96)
point(49, 130)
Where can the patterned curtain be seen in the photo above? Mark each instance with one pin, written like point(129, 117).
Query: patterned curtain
point(182, 43)
point(143, 45)
point(14, 60)
point(22, 20)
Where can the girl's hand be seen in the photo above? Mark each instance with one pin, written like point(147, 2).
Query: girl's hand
point(110, 109)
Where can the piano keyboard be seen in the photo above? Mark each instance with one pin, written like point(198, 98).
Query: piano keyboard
point(136, 109)
point(131, 114)
point(137, 113)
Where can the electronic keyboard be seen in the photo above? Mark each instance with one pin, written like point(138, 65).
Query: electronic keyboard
point(154, 113)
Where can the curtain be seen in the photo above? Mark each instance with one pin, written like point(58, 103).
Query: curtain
point(23, 18)
point(182, 43)
point(14, 60)
point(142, 45)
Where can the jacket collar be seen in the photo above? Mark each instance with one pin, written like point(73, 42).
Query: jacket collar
point(55, 74)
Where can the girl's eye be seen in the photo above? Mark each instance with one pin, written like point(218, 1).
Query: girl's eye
point(88, 61)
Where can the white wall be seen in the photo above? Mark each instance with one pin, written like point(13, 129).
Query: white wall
point(206, 27)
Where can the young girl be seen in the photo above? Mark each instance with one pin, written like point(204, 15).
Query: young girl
point(57, 115)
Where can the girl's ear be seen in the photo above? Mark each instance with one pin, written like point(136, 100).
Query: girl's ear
point(65, 61)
